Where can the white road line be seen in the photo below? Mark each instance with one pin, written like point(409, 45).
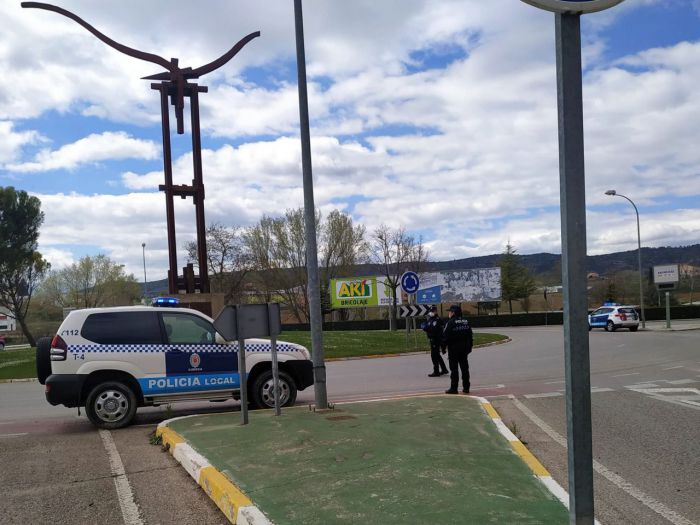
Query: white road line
point(599, 389)
point(682, 381)
point(613, 478)
point(13, 435)
point(630, 374)
point(673, 367)
point(554, 382)
point(130, 512)
point(544, 394)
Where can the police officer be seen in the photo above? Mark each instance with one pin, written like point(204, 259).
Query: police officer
point(433, 329)
point(458, 338)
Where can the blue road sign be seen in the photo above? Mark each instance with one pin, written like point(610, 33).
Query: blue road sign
point(410, 282)
point(573, 6)
point(432, 295)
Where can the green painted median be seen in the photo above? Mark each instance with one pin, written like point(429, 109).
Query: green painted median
point(422, 460)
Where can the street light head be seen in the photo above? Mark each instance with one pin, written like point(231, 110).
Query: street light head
point(143, 245)
point(611, 192)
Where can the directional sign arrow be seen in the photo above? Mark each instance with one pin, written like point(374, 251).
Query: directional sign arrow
point(414, 310)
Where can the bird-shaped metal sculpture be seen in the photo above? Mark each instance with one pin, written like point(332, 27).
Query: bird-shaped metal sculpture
point(175, 74)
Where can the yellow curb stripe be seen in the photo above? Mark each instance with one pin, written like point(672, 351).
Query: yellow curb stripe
point(170, 438)
point(520, 449)
point(528, 458)
point(224, 493)
point(491, 411)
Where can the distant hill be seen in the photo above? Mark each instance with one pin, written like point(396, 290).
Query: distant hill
point(540, 263)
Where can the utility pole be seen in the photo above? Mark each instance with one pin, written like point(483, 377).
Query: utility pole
point(314, 287)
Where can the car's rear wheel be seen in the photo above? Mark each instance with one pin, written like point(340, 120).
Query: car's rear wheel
point(43, 359)
point(263, 392)
point(111, 405)
point(633, 328)
point(610, 326)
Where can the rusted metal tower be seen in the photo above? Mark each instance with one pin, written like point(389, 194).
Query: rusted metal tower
point(174, 88)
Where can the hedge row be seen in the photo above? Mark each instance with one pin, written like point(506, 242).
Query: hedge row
point(487, 321)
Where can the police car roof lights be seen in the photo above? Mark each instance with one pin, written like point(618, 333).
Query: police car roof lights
point(166, 302)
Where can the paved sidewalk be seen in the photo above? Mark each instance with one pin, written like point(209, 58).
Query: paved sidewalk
point(419, 460)
point(677, 325)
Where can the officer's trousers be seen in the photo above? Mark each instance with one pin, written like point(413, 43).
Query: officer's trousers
point(459, 359)
point(438, 363)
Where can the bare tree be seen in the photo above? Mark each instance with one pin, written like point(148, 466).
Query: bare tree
point(278, 252)
point(396, 251)
point(228, 259)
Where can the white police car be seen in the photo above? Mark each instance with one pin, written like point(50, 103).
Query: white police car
point(113, 360)
point(612, 316)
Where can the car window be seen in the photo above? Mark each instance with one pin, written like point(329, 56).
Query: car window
point(188, 329)
point(126, 328)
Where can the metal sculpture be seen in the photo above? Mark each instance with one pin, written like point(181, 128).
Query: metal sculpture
point(174, 85)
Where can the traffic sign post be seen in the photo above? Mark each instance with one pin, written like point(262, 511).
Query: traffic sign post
point(410, 282)
point(573, 235)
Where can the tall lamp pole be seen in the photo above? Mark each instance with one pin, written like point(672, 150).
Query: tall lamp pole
point(145, 282)
point(614, 193)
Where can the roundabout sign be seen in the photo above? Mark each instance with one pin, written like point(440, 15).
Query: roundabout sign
point(573, 6)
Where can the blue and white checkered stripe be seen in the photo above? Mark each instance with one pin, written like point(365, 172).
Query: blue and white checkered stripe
point(250, 347)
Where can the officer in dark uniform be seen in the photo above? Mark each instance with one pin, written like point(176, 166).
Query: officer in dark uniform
point(458, 338)
point(433, 328)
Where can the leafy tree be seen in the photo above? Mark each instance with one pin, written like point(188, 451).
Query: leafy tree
point(516, 281)
point(21, 266)
point(89, 283)
point(396, 251)
point(228, 260)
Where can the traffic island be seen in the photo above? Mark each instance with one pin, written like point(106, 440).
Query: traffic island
point(428, 459)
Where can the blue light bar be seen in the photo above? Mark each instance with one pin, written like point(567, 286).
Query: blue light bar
point(166, 301)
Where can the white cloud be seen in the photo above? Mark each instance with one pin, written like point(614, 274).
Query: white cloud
point(466, 153)
point(12, 142)
point(91, 149)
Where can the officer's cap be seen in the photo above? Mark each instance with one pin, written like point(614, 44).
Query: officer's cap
point(432, 309)
point(455, 308)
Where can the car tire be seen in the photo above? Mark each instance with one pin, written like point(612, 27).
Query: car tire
point(633, 328)
point(262, 391)
point(43, 359)
point(111, 405)
point(610, 326)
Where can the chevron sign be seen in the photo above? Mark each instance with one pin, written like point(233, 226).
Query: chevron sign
point(414, 310)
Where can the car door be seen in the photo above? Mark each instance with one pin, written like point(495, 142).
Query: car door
point(600, 316)
point(194, 361)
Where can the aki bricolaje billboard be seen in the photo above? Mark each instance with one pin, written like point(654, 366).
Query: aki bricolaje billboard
point(358, 292)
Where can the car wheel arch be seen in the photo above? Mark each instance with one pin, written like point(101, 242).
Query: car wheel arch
point(107, 376)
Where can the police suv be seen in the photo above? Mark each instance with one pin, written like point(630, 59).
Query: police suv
point(612, 316)
point(113, 360)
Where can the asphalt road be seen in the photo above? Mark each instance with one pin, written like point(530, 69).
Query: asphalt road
point(645, 400)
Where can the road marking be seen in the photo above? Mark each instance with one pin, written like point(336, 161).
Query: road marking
point(686, 397)
point(545, 394)
point(631, 374)
point(642, 385)
point(554, 382)
point(130, 512)
point(13, 435)
point(673, 367)
point(613, 478)
point(599, 389)
point(682, 381)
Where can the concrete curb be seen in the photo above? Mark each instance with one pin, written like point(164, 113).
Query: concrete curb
point(378, 356)
point(537, 468)
point(27, 380)
point(230, 499)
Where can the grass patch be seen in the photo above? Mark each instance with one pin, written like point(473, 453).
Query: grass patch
point(17, 364)
point(348, 343)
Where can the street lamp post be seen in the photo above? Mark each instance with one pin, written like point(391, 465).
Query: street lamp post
point(639, 252)
point(145, 282)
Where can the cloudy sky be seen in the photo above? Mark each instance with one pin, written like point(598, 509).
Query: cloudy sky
point(436, 115)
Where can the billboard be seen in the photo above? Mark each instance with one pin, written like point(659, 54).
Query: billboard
point(665, 274)
point(359, 292)
point(460, 286)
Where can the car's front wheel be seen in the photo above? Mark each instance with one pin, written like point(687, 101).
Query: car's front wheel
point(111, 405)
point(263, 392)
point(610, 326)
point(633, 328)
